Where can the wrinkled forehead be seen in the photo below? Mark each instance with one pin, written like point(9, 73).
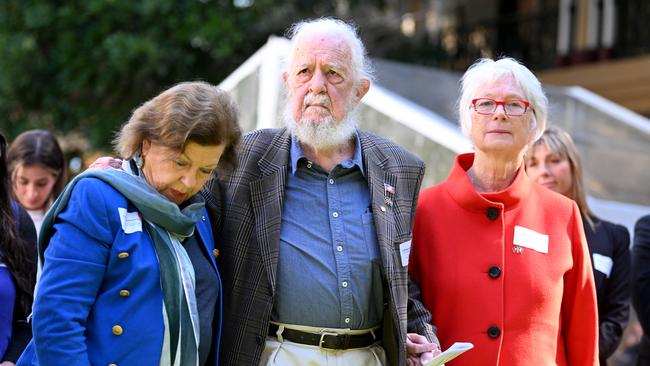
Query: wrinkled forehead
point(322, 47)
point(203, 155)
point(499, 84)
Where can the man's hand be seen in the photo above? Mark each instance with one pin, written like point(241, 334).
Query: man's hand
point(419, 349)
point(105, 162)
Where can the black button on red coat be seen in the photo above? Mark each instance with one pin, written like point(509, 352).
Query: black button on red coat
point(494, 272)
point(493, 331)
point(492, 213)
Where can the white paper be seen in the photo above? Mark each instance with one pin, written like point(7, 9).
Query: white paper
point(528, 238)
point(452, 352)
point(131, 221)
point(405, 252)
point(603, 264)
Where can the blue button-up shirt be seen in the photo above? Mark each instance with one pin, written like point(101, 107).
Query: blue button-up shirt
point(329, 268)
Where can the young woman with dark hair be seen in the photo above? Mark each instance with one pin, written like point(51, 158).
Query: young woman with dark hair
point(37, 169)
point(17, 270)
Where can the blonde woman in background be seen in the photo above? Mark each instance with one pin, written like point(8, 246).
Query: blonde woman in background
point(553, 162)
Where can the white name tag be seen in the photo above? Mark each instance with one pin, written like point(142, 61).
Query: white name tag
point(603, 264)
point(528, 238)
point(405, 252)
point(131, 221)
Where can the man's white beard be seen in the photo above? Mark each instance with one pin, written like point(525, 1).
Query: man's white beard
point(324, 133)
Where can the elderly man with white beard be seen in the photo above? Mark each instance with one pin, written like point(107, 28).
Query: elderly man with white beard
point(313, 226)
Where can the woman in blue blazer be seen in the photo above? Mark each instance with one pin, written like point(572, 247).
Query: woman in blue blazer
point(128, 268)
point(553, 161)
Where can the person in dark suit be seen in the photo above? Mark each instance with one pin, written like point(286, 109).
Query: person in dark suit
point(314, 225)
point(553, 162)
point(641, 284)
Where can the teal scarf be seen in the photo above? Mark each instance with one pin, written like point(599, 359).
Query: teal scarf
point(166, 223)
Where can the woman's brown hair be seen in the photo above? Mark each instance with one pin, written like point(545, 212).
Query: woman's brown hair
point(188, 112)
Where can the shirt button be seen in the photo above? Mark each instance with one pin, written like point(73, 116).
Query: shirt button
point(492, 213)
point(331, 181)
point(347, 320)
point(215, 252)
point(493, 331)
point(494, 272)
point(339, 248)
point(259, 340)
point(382, 208)
point(125, 293)
point(117, 330)
point(203, 218)
point(335, 214)
point(344, 284)
point(123, 255)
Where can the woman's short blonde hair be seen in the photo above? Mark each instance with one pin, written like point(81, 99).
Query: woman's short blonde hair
point(560, 142)
point(187, 112)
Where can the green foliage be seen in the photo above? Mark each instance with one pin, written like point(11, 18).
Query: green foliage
point(84, 65)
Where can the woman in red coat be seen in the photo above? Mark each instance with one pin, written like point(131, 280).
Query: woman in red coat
point(502, 262)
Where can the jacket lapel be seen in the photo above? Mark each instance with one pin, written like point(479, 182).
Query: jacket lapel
point(267, 195)
point(205, 232)
point(382, 211)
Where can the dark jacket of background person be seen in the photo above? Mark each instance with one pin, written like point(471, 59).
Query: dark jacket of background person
point(247, 209)
point(613, 290)
point(17, 253)
point(21, 332)
point(641, 284)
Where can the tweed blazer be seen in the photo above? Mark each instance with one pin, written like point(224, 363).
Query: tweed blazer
point(246, 206)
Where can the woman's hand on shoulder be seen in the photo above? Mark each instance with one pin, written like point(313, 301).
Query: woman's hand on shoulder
point(104, 162)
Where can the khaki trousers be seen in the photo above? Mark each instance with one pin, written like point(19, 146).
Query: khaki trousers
point(280, 352)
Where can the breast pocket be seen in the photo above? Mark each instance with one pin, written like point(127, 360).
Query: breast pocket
point(370, 234)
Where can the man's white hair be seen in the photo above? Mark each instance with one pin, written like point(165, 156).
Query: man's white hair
point(331, 27)
point(485, 71)
point(327, 132)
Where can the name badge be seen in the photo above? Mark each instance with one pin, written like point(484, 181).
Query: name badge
point(405, 252)
point(130, 221)
point(531, 239)
point(603, 264)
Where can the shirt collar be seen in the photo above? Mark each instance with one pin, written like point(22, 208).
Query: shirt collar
point(296, 153)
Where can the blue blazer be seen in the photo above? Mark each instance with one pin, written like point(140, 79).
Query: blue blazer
point(99, 298)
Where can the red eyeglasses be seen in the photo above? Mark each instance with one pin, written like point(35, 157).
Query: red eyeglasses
point(512, 107)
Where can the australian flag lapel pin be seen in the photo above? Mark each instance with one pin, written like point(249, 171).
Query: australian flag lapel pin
point(389, 191)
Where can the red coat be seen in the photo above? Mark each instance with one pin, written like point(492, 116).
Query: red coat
point(515, 303)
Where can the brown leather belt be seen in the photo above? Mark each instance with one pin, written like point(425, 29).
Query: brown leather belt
point(327, 340)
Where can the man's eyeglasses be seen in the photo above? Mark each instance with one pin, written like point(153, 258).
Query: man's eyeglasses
point(512, 107)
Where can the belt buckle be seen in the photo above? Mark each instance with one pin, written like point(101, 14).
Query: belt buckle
point(322, 337)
